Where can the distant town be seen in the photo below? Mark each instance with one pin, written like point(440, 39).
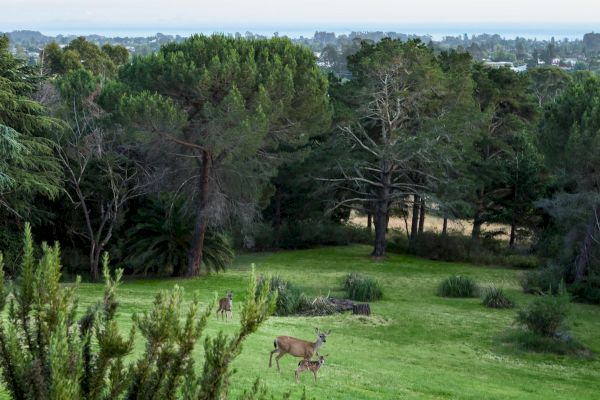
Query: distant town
point(332, 49)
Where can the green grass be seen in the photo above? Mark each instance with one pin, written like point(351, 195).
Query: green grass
point(416, 345)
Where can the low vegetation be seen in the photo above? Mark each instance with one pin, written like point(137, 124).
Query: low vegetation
point(458, 286)
point(495, 297)
point(292, 301)
point(545, 315)
point(362, 288)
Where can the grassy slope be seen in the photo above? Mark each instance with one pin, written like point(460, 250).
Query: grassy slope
point(416, 345)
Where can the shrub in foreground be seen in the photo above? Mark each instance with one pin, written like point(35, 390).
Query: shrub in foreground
point(458, 286)
point(495, 297)
point(46, 353)
point(362, 288)
point(546, 314)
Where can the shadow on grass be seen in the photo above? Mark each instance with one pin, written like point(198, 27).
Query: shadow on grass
point(515, 341)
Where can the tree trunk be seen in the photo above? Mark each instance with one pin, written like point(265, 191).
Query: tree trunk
point(415, 217)
point(380, 222)
point(277, 213)
point(369, 222)
point(583, 259)
point(94, 261)
point(381, 216)
point(477, 222)
point(445, 226)
point(513, 231)
point(197, 245)
point(422, 215)
point(387, 219)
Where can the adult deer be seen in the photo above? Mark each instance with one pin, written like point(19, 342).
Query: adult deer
point(226, 305)
point(296, 347)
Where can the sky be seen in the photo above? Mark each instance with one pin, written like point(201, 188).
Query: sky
point(111, 17)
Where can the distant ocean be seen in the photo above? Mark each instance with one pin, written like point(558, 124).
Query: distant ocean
point(436, 31)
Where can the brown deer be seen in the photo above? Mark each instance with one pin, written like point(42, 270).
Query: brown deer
point(296, 347)
point(226, 305)
point(308, 365)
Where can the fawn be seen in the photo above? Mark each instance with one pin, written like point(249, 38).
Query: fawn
point(297, 347)
point(226, 305)
point(308, 365)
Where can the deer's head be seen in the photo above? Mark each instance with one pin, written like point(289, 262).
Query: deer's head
point(322, 335)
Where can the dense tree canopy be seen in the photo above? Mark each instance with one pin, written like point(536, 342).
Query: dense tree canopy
point(242, 99)
point(27, 164)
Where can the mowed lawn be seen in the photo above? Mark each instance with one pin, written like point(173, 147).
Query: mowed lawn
point(415, 345)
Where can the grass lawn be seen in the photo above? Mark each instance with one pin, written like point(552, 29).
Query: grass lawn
point(415, 346)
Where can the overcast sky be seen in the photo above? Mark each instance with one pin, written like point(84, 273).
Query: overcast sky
point(108, 16)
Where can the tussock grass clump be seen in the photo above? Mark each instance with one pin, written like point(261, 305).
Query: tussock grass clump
point(292, 301)
point(545, 315)
point(288, 298)
point(458, 286)
point(362, 288)
point(494, 297)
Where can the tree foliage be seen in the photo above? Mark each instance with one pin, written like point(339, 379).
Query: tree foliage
point(27, 165)
point(242, 100)
point(159, 241)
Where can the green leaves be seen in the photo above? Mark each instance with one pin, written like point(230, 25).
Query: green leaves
point(27, 164)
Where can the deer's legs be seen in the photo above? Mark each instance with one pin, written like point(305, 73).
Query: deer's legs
point(315, 373)
point(277, 360)
point(271, 356)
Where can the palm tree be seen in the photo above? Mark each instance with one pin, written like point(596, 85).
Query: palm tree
point(159, 240)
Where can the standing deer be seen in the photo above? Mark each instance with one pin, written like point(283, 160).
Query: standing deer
point(313, 366)
point(226, 305)
point(296, 347)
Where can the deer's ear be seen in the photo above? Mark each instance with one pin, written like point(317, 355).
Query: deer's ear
point(328, 333)
point(317, 330)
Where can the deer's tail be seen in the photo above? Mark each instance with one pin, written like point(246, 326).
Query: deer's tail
point(275, 343)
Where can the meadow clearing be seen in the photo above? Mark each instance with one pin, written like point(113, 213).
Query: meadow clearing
point(415, 345)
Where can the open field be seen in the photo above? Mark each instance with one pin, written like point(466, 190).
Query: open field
point(415, 346)
point(433, 223)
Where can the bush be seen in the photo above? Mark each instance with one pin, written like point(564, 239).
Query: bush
point(543, 280)
point(303, 234)
point(522, 261)
point(458, 286)
point(586, 291)
point(455, 247)
point(495, 297)
point(288, 297)
point(441, 247)
point(545, 315)
point(362, 288)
